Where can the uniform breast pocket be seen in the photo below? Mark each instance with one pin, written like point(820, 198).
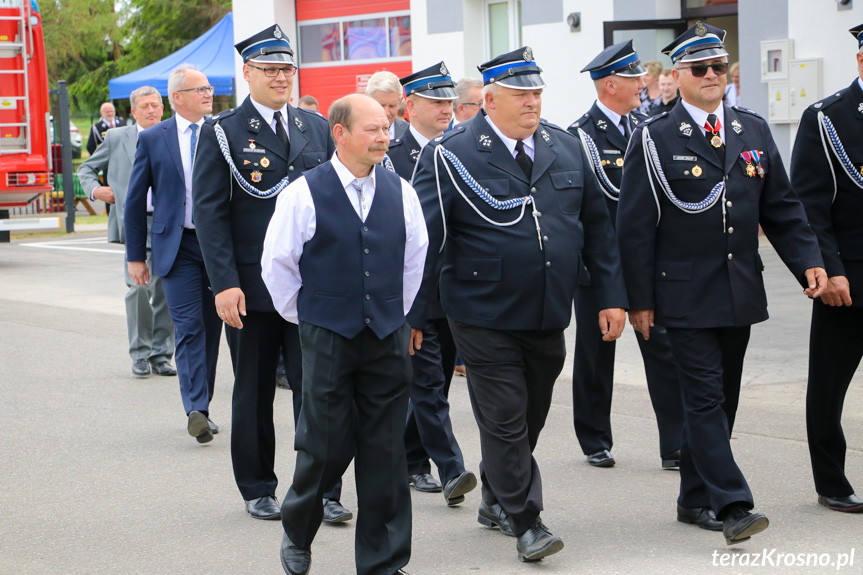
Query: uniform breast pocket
point(568, 186)
point(691, 182)
point(497, 187)
point(314, 158)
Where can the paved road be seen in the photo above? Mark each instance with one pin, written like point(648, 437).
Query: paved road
point(98, 474)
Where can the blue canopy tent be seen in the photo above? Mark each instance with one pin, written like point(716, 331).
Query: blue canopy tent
point(212, 53)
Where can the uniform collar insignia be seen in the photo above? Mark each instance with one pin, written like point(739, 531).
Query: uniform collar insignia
point(735, 125)
point(860, 107)
point(634, 120)
point(545, 137)
point(414, 155)
point(298, 123)
point(685, 128)
point(601, 124)
point(254, 124)
point(485, 141)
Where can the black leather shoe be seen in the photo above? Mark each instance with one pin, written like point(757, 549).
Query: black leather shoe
point(671, 461)
point(282, 381)
point(266, 507)
point(601, 459)
point(537, 542)
point(456, 487)
point(700, 516)
point(494, 516)
point(199, 427)
point(848, 504)
point(141, 368)
point(425, 482)
point(163, 368)
point(334, 512)
point(214, 429)
point(739, 525)
point(295, 560)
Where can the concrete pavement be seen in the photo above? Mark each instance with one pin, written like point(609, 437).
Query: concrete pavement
point(98, 474)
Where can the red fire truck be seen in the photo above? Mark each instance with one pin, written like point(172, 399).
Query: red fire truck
point(25, 162)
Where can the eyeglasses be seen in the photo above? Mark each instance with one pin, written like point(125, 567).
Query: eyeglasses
point(700, 70)
point(274, 72)
point(472, 103)
point(201, 90)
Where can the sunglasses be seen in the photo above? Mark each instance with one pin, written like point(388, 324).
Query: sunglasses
point(700, 70)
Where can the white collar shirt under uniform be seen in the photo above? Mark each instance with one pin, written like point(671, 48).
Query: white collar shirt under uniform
point(294, 223)
point(510, 143)
point(184, 135)
point(700, 117)
point(421, 140)
point(269, 116)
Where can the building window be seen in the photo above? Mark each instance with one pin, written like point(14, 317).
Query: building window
point(376, 38)
point(503, 24)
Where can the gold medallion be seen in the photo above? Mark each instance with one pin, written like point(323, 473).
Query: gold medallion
point(256, 176)
point(716, 141)
point(265, 162)
point(696, 171)
point(619, 162)
point(750, 170)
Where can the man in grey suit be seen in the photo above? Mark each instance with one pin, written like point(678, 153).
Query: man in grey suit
point(151, 332)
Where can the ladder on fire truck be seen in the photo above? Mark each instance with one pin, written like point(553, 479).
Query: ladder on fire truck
point(15, 54)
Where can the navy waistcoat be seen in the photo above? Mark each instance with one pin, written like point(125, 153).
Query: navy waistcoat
point(353, 271)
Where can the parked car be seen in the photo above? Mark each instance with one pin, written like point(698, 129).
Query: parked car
point(77, 140)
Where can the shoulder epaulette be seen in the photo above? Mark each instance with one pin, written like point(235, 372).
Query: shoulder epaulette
point(580, 121)
point(222, 115)
point(747, 111)
point(446, 136)
point(652, 119)
point(545, 123)
point(828, 101)
point(311, 113)
point(395, 142)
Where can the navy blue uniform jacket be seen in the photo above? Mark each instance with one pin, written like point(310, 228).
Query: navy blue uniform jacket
point(693, 270)
point(836, 221)
point(497, 277)
point(231, 223)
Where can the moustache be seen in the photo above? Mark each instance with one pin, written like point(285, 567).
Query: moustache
point(379, 148)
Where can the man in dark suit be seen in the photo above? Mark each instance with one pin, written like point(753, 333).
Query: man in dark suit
point(515, 207)
point(428, 433)
point(826, 169)
point(697, 183)
point(148, 322)
point(385, 88)
point(107, 121)
point(344, 257)
point(270, 144)
point(163, 164)
point(604, 130)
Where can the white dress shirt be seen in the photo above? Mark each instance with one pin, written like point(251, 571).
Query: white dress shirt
point(269, 116)
point(294, 223)
point(510, 143)
point(700, 117)
point(421, 140)
point(184, 135)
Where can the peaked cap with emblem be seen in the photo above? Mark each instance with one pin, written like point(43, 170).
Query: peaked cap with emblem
point(857, 32)
point(621, 59)
point(701, 42)
point(516, 69)
point(433, 83)
point(267, 46)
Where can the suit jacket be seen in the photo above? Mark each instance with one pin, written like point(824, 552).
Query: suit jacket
point(404, 152)
point(834, 207)
point(158, 165)
point(232, 223)
point(400, 127)
point(703, 270)
point(118, 152)
point(98, 132)
point(611, 145)
point(497, 277)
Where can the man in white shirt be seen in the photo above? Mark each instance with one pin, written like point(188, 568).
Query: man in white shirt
point(163, 164)
point(348, 274)
point(151, 332)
